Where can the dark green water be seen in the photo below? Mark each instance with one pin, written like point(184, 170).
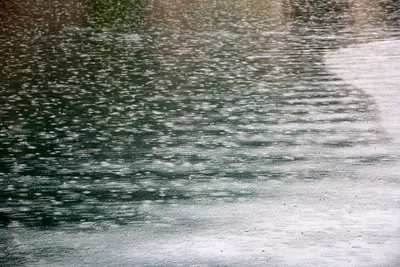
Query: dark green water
point(121, 103)
point(106, 106)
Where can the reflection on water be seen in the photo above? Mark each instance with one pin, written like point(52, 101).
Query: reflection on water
point(108, 107)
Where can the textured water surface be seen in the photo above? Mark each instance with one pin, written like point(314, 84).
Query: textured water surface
point(178, 133)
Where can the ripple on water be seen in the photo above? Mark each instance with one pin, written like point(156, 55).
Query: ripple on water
point(174, 116)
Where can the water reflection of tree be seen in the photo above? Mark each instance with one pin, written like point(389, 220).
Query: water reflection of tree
point(320, 11)
point(392, 11)
point(111, 13)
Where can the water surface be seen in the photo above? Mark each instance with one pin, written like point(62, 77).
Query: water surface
point(168, 133)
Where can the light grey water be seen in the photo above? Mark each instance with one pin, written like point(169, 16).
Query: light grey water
point(191, 133)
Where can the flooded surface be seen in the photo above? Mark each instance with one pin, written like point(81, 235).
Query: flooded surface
point(199, 133)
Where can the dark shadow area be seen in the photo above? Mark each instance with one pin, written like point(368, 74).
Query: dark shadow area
point(113, 13)
point(320, 12)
